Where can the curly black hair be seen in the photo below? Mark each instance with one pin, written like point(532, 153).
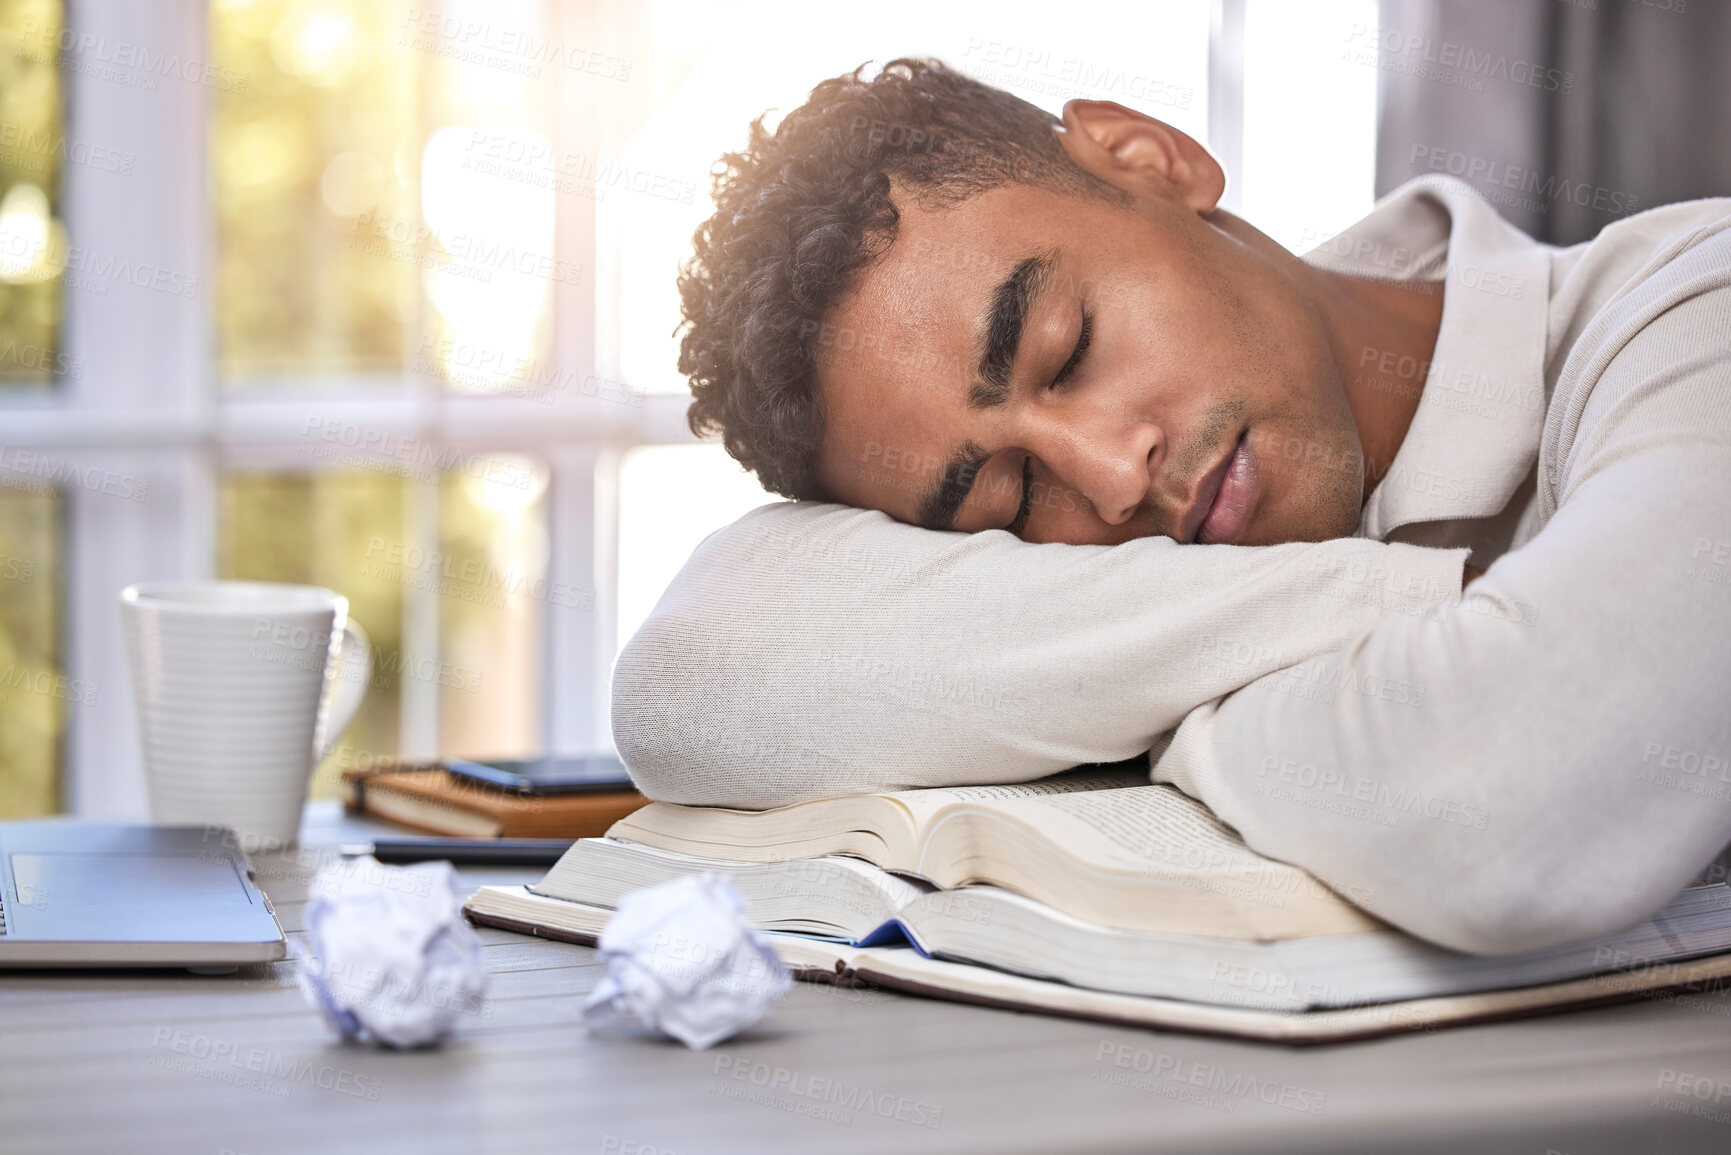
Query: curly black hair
point(803, 209)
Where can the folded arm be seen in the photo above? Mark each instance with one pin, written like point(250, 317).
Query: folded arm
point(811, 650)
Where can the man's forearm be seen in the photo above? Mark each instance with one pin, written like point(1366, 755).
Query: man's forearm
point(812, 650)
point(1548, 761)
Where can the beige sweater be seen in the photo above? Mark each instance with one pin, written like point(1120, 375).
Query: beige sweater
point(1547, 759)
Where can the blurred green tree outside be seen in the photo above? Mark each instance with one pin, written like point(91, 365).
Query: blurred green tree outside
point(32, 238)
point(315, 173)
point(34, 700)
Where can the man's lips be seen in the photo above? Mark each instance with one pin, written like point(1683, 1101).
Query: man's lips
point(1234, 500)
point(1225, 498)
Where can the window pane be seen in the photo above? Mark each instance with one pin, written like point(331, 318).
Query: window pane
point(489, 173)
point(1310, 162)
point(32, 238)
point(478, 582)
point(34, 697)
point(670, 498)
point(315, 176)
point(493, 594)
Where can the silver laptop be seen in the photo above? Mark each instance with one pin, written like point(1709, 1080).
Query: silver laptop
point(82, 895)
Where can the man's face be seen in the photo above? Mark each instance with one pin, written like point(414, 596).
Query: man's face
point(1084, 372)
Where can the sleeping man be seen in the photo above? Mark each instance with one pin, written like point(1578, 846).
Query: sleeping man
point(1085, 466)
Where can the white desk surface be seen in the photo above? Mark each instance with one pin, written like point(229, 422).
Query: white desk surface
point(143, 1062)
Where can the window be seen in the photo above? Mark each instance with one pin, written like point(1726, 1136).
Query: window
point(379, 296)
point(362, 253)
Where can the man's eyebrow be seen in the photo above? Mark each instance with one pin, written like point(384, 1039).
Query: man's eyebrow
point(939, 506)
point(1009, 312)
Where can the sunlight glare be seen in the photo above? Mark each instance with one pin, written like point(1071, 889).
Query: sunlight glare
point(494, 292)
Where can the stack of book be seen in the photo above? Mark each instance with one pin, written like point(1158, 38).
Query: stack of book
point(427, 797)
point(1091, 894)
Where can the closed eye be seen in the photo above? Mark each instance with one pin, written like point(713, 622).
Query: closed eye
point(1083, 340)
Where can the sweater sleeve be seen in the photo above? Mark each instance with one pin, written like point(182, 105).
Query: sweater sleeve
point(811, 650)
point(1549, 759)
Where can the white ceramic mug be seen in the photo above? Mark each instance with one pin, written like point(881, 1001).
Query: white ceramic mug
point(239, 696)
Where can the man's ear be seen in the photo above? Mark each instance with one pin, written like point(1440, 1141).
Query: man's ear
point(1141, 155)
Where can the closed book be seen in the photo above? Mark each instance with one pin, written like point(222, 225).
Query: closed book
point(427, 798)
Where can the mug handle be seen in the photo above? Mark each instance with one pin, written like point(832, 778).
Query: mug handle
point(354, 671)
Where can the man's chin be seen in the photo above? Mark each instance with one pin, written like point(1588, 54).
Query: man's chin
point(1323, 522)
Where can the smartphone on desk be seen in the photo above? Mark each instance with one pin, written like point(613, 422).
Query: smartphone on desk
point(551, 774)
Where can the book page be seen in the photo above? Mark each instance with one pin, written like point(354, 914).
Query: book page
point(891, 822)
point(924, 804)
point(873, 826)
point(1158, 830)
point(1156, 822)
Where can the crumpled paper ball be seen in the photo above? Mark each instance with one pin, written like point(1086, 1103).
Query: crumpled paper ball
point(392, 959)
point(682, 959)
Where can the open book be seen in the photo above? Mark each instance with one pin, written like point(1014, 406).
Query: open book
point(1090, 893)
point(857, 903)
point(1102, 846)
point(906, 969)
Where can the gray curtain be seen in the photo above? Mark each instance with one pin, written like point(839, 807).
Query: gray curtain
point(1566, 114)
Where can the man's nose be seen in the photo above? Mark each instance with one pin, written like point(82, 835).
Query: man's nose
point(1113, 466)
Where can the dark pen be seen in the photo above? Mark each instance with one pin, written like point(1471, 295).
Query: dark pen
point(464, 851)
